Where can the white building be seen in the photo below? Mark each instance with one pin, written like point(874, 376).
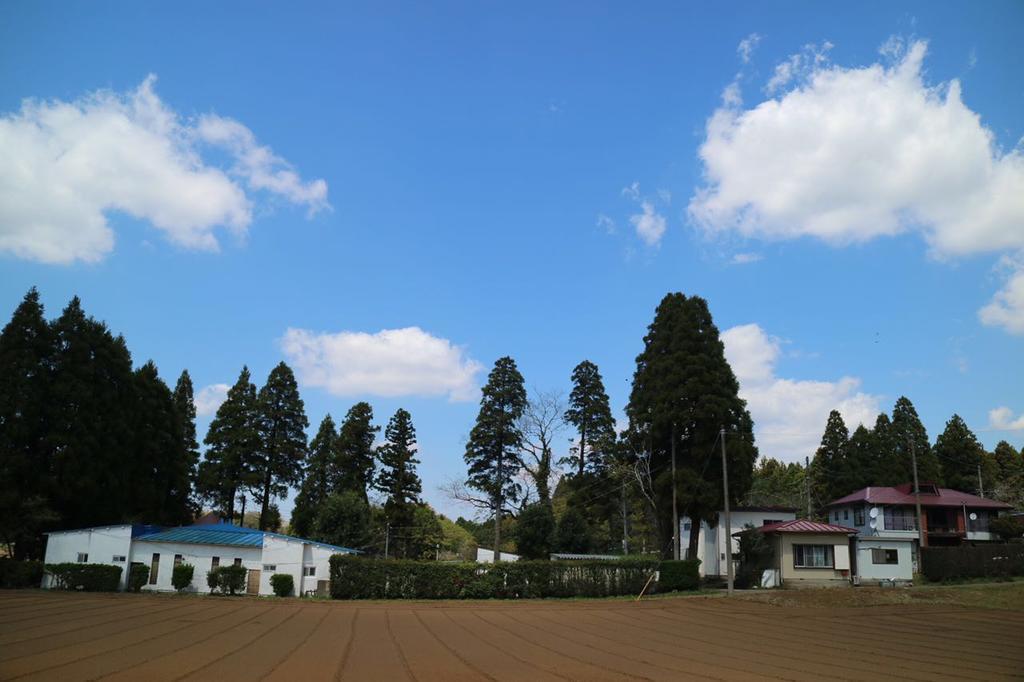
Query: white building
point(204, 546)
point(486, 556)
point(713, 540)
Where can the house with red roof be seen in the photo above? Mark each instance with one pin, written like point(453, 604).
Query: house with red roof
point(807, 553)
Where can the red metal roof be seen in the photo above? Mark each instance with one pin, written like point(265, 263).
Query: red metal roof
point(904, 494)
point(803, 526)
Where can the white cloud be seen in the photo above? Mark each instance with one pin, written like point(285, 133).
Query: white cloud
point(67, 165)
point(789, 415)
point(746, 48)
point(209, 398)
point(390, 363)
point(650, 225)
point(745, 258)
point(1006, 309)
point(665, 196)
point(1001, 418)
point(849, 154)
point(606, 223)
point(632, 190)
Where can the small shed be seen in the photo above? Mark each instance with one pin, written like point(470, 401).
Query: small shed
point(809, 553)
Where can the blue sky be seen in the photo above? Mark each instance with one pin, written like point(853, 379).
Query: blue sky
point(529, 180)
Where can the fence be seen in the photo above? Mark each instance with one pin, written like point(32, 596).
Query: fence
point(981, 561)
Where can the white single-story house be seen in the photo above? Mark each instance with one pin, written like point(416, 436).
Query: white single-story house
point(711, 545)
point(883, 561)
point(204, 546)
point(807, 553)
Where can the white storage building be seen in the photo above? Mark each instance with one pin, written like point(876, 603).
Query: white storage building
point(204, 546)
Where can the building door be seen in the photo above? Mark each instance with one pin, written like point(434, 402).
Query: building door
point(253, 587)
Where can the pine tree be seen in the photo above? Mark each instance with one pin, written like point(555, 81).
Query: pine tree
point(27, 349)
point(355, 457)
point(281, 425)
point(860, 458)
point(493, 447)
point(683, 386)
point(316, 483)
point(829, 474)
point(960, 454)
point(232, 441)
point(908, 432)
point(184, 403)
point(397, 478)
point(590, 414)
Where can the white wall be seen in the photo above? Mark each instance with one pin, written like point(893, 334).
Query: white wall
point(200, 556)
point(869, 572)
point(486, 556)
point(711, 546)
point(101, 544)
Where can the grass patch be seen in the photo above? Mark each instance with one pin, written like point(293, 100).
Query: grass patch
point(985, 595)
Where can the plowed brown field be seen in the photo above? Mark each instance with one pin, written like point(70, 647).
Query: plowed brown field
point(55, 636)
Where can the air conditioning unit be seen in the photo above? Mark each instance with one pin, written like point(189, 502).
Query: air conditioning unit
point(856, 580)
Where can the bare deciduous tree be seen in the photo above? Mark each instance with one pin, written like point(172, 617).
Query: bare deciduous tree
point(540, 424)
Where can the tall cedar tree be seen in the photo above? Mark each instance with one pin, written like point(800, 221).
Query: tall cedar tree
point(960, 455)
point(861, 458)
point(281, 423)
point(354, 468)
point(776, 484)
point(27, 349)
point(492, 452)
point(397, 478)
point(316, 483)
point(830, 476)
point(185, 404)
point(684, 385)
point(907, 429)
point(232, 441)
point(590, 414)
point(1009, 461)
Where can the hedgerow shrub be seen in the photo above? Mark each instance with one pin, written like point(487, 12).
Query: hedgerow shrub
point(138, 575)
point(229, 579)
point(940, 564)
point(361, 578)
point(679, 575)
point(20, 574)
point(85, 577)
point(283, 584)
point(181, 576)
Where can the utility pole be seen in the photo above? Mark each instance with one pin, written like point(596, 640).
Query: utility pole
point(917, 499)
point(728, 516)
point(387, 538)
point(981, 486)
point(807, 484)
point(625, 520)
point(675, 509)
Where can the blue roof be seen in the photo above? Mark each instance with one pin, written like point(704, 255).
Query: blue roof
point(224, 534)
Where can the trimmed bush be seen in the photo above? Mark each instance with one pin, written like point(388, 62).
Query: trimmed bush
point(85, 577)
point(138, 576)
point(227, 579)
point(181, 576)
point(361, 578)
point(679, 575)
point(283, 584)
point(16, 574)
point(940, 564)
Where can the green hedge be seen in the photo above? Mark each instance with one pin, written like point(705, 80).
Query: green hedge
point(181, 576)
point(20, 574)
point(138, 576)
point(85, 577)
point(283, 584)
point(679, 575)
point(940, 564)
point(361, 578)
point(230, 579)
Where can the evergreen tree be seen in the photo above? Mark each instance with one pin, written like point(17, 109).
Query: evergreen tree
point(1009, 461)
point(829, 474)
point(861, 458)
point(960, 454)
point(281, 426)
point(316, 483)
point(776, 484)
point(343, 520)
point(684, 387)
point(232, 441)
point(355, 459)
point(184, 403)
point(397, 478)
point(883, 454)
point(572, 534)
point(492, 452)
point(27, 349)
point(908, 432)
point(590, 414)
point(535, 532)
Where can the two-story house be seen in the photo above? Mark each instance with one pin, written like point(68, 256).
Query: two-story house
point(714, 540)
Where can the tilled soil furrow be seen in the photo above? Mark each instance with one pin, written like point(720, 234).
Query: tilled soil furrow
point(318, 658)
point(56, 632)
point(373, 654)
point(427, 658)
point(483, 674)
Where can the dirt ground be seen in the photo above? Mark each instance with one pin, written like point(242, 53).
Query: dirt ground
point(62, 636)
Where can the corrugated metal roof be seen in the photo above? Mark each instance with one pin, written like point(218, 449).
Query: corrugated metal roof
point(802, 526)
point(904, 495)
point(226, 534)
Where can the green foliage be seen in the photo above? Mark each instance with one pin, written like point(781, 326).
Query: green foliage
point(181, 576)
point(227, 579)
point(830, 471)
point(231, 439)
point(776, 484)
point(398, 481)
point(756, 556)
point(960, 455)
point(343, 520)
point(355, 457)
point(908, 432)
point(15, 574)
point(535, 531)
point(678, 575)
point(138, 576)
point(422, 539)
point(317, 481)
point(573, 532)
point(85, 577)
point(456, 541)
point(283, 584)
point(185, 408)
point(590, 413)
point(281, 429)
point(1007, 527)
point(361, 578)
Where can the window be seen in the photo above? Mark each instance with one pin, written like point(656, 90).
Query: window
point(154, 568)
point(885, 556)
point(118, 559)
point(768, 522)
point(900, 518)
point(269, 567)
point(978, 524)
point(238, 562)
point(309, 571)
point(846, 514)
point(686, 525)
point(215, 562)
point(812, 556)
point(83, 558)
point(858, 516)
point(177, 560)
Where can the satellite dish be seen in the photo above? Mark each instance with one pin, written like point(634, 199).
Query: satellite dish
point(974, 517)
point(874, 513)
point(873, 524)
